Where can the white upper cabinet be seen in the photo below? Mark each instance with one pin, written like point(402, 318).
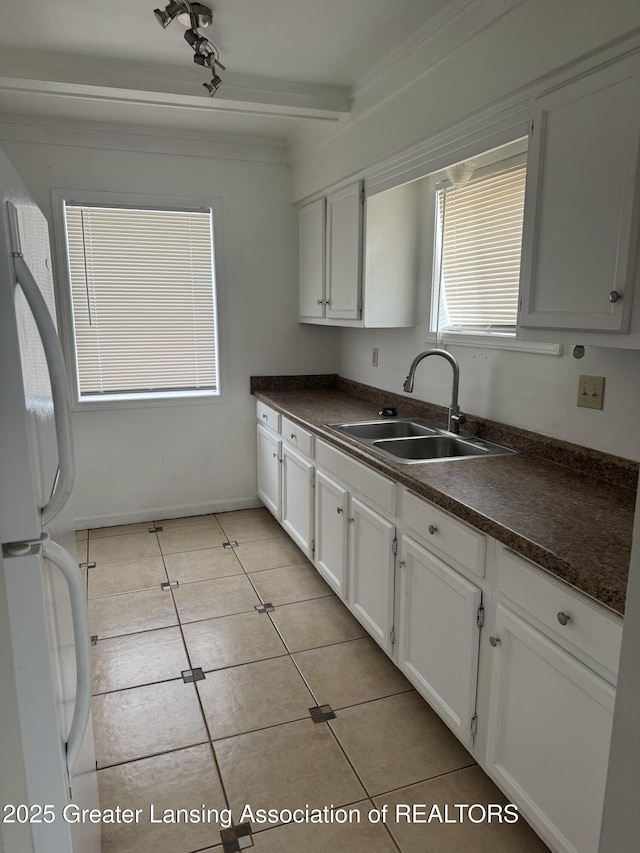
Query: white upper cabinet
point(357, 268)
point(330, 238)
point(311, 235)
point(580, 239)
point(343, 282)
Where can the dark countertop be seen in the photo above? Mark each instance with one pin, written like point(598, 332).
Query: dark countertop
point(576, 526)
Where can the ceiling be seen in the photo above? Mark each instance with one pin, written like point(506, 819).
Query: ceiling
point(289, 62)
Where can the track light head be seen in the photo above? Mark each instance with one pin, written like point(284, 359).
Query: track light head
point(199, 43)
point(214, 85)
point(168, 14)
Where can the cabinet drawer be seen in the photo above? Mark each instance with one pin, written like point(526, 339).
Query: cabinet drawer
point(459, 544)
point(359, 478)
point(297, 437)
point(589, 628)
point(268, 416)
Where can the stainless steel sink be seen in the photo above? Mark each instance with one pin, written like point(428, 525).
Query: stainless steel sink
point(373, 430)
point(412, 441)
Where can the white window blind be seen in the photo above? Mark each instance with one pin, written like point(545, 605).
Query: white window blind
point(143, 298)
point(480, 228)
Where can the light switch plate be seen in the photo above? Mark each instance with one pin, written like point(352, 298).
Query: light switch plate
point(591, 392)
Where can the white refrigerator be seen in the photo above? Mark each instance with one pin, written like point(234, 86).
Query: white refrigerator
point(46, 742)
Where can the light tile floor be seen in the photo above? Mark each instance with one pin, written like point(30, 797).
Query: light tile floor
point(241, 733)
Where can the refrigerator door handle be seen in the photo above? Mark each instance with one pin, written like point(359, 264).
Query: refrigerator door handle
point(59, 390)
point(63, 561)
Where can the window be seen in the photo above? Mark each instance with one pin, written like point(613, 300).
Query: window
point(143, 300)
point(478, 243)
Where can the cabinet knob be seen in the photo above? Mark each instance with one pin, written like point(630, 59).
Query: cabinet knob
point(319, 301)
point(494, 641)
point(274, 455)
point(294, 436)
point(265, 417)
point(563, 619)
point(614, 296)
point(432, 529)
point(339, 510)
point(351, 520)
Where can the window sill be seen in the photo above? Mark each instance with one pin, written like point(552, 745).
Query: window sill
point(493, 341)
point(132, 401)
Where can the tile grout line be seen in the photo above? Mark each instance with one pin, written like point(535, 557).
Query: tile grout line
point(154, 755)
point(428, 779)
point(199, 700)
point(202, 711)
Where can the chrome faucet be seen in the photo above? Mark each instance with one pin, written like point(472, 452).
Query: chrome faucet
point(455, 416)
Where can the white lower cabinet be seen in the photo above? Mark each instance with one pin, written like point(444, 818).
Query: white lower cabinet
point(297, 498)
point(355, 554)
point(550, 723)
point(285, 475)
point(332, 504)
point(439, 636)
point(269, 481)
point(356, 540)
point(372, 546)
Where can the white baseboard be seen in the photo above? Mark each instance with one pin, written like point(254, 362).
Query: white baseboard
point(160, 513)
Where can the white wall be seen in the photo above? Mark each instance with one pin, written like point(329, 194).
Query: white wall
point(154, 462)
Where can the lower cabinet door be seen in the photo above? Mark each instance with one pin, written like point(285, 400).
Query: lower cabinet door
point(371, 571)
point(332, 503)
point(439, 635)
point(269, 455)
point(297, 499)
point(549, 732)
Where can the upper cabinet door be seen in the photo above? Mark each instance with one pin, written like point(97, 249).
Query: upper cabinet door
point(311, 234)
point(344, 253)
point(580, 237)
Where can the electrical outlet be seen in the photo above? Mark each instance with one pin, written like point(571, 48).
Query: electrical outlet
point(374, 357)
point(591, 391)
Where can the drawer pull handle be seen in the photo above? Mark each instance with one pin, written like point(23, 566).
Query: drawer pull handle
point(432, 529)
point(494, 641)
point(563, 619)
point(339, 510)
point(293, 435)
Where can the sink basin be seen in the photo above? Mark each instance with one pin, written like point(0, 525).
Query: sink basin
point(413, 440)
point(432, 447)
point(373, 430)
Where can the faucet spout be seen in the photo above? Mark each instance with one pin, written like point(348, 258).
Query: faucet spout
point(455, 417)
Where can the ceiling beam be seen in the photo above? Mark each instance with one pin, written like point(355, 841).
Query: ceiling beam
point(64, 76)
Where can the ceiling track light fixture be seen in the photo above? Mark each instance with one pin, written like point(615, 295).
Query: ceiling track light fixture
point(195, 16)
